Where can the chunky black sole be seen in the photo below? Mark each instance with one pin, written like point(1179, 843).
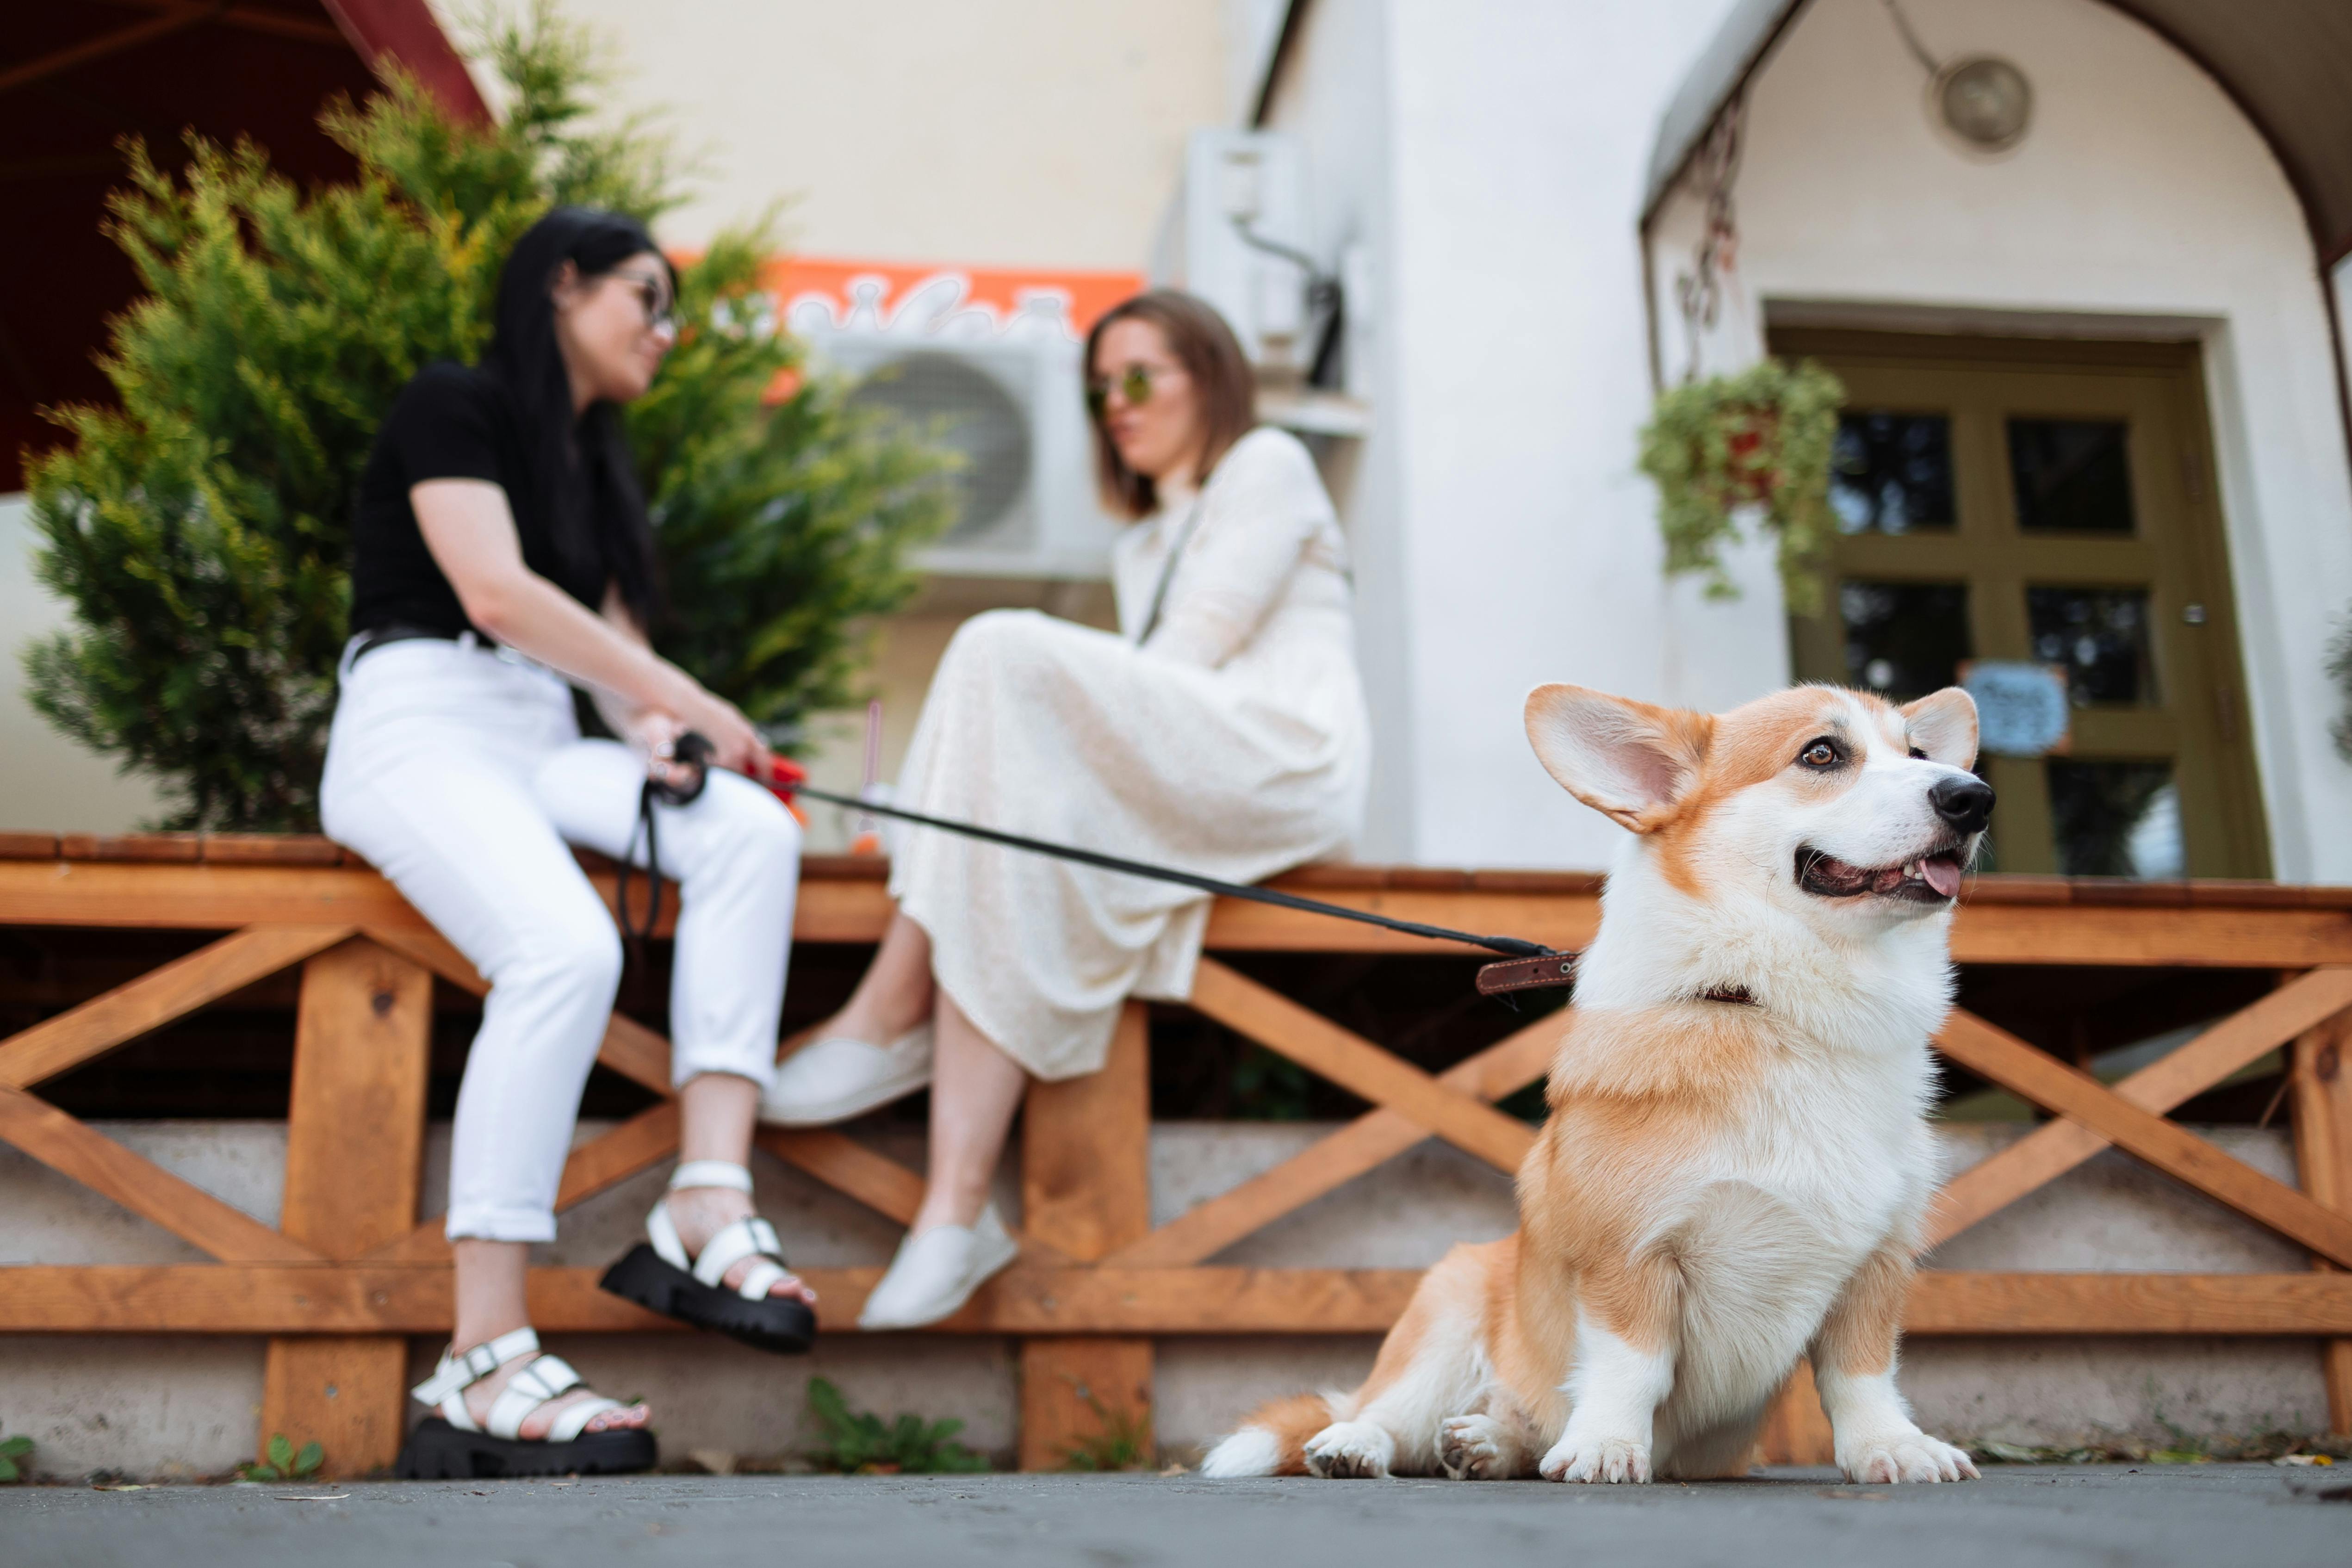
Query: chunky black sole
point(786, 1327)
point(437, 1451)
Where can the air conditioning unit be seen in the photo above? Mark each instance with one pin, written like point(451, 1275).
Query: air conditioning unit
point(1240, 242)
point(1003, 389)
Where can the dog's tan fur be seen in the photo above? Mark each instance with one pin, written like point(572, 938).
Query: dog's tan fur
point(1719, 1188)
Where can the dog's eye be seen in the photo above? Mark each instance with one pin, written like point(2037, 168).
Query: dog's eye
point(1917, 754)
point(1822, 753)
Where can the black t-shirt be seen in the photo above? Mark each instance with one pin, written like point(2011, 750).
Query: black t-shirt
point(451, 422)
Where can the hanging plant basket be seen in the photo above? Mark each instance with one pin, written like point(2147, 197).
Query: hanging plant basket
point(1755, 445)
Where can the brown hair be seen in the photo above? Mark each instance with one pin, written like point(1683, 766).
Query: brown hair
point(1221, 376)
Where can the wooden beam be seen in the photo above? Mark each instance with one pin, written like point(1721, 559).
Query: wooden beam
point(1086, 1188)
point(141, 1186)
point(2322, 1082)
point(1353, 1062)
point(157, 998)
point(2055, 1148)
point(207, 895)
point(178, 18)
point(362, 1057)
point(2151, 937)
point(368, 1299)
point(645, 1139)
point(847, 1166)
point(2180, 1153)
point(1209, 1228)
point(1796, 1429)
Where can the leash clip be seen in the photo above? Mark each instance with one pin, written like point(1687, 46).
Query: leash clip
point(1512, 975)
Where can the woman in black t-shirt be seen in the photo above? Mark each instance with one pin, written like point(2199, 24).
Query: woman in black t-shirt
point(501, 549)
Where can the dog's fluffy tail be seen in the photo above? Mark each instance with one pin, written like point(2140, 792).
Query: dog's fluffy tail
point(1273, 1440)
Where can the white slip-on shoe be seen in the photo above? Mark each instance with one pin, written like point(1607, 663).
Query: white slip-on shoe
point(935, 1273)
point(836, 1078)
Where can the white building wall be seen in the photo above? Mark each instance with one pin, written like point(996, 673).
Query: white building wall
point(1015, 133)
point(1503, 538)
point(2140, 202)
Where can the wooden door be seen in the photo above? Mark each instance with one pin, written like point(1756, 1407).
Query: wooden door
point(2050, 502)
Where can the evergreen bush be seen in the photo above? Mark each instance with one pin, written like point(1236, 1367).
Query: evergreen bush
point(199, 528)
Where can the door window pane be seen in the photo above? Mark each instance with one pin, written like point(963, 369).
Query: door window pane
point(2100, 634)
point(2071, 475)
point(1904, 639)
point(2115, 819)
point(1891, 473)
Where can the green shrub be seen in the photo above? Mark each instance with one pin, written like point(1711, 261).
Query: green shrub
point(1760, 438)
point(283, 1463)
point(13, 1453)
point(857, 1442)
point(199, 527)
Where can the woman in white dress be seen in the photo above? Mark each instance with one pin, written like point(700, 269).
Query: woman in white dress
point(1221, 730)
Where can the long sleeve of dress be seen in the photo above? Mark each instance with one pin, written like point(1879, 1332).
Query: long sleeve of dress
point(1258, 516)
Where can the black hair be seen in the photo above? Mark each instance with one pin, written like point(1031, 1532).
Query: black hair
point(570, 460)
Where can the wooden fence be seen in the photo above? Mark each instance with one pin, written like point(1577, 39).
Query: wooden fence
point(351, 1272)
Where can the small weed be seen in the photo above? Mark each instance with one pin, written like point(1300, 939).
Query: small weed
point(860, 1443)
point(283, 1463)
point(1123, 1443)
point(13, 1451)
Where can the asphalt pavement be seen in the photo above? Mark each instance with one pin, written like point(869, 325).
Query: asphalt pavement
point(2017, 1517)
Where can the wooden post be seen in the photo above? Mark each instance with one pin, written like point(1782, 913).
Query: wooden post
point(1086, 1188)
point(354, 1158)
point(1796, 1430)
point(2322, 1090)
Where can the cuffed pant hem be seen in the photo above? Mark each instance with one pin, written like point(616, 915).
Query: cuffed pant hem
point(761, 1069)
point(501, 1225)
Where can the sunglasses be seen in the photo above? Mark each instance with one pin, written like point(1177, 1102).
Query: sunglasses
point(1133, 385)
point(661, 310)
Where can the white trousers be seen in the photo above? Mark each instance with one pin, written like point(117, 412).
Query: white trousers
point(460, 774)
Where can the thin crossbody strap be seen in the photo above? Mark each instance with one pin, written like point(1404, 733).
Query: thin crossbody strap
point(1168, 572)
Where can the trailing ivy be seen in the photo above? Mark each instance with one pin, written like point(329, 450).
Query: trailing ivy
point(1758, 444)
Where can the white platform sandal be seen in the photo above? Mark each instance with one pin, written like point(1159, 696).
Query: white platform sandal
point(836, 1078)
point(452, 1446)
point(934, 1274)
point(658, 1273)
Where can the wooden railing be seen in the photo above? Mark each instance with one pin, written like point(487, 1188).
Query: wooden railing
point(349, 1271)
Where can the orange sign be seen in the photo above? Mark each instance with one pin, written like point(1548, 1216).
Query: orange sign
point(1003, 291)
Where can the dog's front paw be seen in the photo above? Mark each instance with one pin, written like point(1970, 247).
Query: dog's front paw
point(1350, 1450)
point(1580, 1459)
point(1903, 1455)
point(1478, 1448)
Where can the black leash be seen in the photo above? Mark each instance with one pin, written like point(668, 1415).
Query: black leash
point(691, 750)
point(1533, 966)
point(1536, 966)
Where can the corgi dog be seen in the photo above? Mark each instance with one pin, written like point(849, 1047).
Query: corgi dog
point(1737, 1157)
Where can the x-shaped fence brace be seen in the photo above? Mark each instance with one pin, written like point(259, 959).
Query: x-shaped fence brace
point(349, 1260)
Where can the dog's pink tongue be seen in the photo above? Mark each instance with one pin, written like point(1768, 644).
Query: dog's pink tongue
point(1942, 875)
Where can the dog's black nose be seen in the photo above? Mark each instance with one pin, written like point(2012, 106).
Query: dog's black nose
point(1962, 800)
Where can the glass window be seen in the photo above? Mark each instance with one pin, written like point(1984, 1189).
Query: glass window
point(1891, 473)
point(2115, 819)
point(2100, 634)
point(2071, 475)
point(1904, 639)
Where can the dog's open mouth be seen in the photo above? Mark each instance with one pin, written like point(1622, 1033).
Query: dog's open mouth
point(1930, 879)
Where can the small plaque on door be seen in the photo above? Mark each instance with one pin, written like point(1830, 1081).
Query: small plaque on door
point(2022, 709)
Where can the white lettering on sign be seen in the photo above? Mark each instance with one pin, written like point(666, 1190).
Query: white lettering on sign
point(2021, 708)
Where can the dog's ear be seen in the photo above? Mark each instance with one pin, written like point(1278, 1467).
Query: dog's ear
point(1630, 761)
point(1944, 726)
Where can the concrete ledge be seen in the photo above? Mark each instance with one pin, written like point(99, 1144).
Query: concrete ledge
point(163, 1405)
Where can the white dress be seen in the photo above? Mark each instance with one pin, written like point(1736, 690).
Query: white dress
point(1233, 743)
